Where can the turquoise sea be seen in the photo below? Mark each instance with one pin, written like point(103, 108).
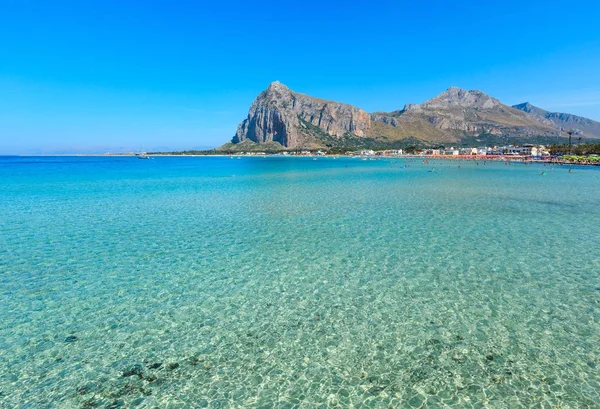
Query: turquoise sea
point(191, 282)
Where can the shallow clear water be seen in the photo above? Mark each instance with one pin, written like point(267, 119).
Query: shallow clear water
point(289, 282)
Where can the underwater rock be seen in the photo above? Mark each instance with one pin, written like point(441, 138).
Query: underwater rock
point(155, 365)
point(132, 387)
point(374, 390)
point(135, 370)
point(116, 404)
point(90, 403)
point(433, 342)
point(85, 389)
point(373, 379)
point(172, 366)
point(197, 358)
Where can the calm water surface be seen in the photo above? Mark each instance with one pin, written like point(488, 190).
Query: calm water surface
point(294, 283)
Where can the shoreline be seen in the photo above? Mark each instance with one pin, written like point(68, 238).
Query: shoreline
point(494, 158)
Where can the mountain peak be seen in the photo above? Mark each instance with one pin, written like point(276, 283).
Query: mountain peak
point(458, 97)
point(276, 91)
point(277, 86)
point(531, 109)
point(527, 107)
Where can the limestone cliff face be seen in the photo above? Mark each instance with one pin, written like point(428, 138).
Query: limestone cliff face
point(281, 115)
point(296, 120)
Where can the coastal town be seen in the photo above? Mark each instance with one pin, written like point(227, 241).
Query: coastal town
point(525, 152)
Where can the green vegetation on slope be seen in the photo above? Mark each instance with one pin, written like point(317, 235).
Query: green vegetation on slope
point(350, 142)
point(425, 131)
point(250, 146)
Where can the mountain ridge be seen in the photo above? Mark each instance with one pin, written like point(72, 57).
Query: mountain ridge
point(577, 124)
point(294, 120)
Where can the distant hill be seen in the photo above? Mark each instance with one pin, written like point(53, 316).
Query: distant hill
point(280, 118)
point(566, 122)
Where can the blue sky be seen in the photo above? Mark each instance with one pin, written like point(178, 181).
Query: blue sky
point(122, 75)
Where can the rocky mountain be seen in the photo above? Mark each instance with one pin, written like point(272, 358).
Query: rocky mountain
point(281, 115)
point(282, 118)
point(567, 122)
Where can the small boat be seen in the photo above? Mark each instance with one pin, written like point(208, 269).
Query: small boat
point(142, 155)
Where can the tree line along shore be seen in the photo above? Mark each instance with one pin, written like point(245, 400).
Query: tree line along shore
point(581, 154)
